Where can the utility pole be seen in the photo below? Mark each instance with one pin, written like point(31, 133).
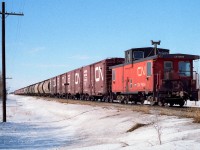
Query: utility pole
point(3, 13)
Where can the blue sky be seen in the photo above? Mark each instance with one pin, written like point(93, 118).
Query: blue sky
point(57, 36)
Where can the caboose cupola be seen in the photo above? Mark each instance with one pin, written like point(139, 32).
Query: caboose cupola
point(144, 52)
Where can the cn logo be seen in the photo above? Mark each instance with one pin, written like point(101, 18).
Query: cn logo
point(140, 71)
point(77, 78)
point(98, 74)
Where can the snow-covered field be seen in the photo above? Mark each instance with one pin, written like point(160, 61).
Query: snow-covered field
point(38, 124)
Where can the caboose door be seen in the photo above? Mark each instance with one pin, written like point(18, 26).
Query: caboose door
point(127, 86)
point(149, 79)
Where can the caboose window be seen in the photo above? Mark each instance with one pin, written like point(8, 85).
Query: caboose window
point(138, 55)
point(184, 68)
point(128, 57)
point(113, 74)
point(149, 69)
point(168, 65)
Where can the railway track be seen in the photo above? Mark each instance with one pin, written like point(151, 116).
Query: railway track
point(184, 112)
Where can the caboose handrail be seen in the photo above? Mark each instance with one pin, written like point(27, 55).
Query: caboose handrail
point(197, 79)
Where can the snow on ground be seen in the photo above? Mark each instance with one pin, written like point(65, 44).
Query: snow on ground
point(188, 103)
point(34, 123)
point(193, 103)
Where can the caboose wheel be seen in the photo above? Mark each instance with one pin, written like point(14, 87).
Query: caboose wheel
point(181, 103)
point(150, 99)
point(152, 103)
point(160, 103)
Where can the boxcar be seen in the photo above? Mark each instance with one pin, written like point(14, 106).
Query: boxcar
point(58, 85)
point(74, 83)
point(61, 83)
point(87, 91)
point(64, 85)
point(97, 79)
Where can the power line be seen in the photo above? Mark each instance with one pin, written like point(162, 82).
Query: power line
point(4, 13)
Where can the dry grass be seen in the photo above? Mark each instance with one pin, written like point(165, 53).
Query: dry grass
point(197, 116)
point(136, 126)
point(193, 113)
point(180, 112)
point(144, 109)
point(187, 113)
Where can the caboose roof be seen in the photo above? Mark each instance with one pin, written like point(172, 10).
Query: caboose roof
point(179, 55)
point(146, 49)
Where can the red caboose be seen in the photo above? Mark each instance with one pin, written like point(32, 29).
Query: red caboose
point(160, 78)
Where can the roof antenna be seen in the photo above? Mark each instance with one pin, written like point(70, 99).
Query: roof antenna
point(155, 45)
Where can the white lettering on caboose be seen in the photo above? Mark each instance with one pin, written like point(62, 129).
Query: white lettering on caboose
point(98, 74)
point(140, 71)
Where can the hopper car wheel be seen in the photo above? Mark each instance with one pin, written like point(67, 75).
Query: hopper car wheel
point(171, 104)
point(181, 103)
point(141, 101)
point(87, 98)
point(135, 102)
point(111, 100)
point(160, 103)
point(82, 97)
point(125, 102)
point(92, 98)
point(152, 103)
point(107, 99)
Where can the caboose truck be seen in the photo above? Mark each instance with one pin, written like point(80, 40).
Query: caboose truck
point(161, 78)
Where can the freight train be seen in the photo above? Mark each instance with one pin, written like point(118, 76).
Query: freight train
point(147, 73)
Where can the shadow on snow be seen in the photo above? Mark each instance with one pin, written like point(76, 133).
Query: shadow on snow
point(25, 135)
